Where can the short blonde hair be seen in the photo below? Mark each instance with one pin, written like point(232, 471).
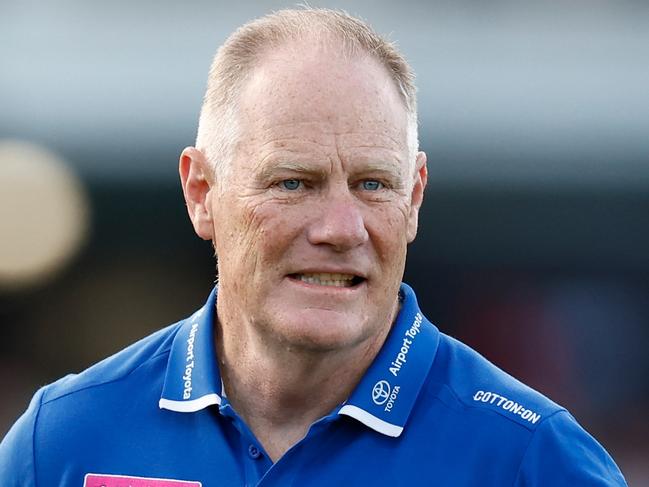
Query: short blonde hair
point(236, 58)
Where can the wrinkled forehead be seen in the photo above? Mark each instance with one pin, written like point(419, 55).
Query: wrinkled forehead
point(295, 88)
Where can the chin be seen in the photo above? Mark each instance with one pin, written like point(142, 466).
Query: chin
point(322, 330)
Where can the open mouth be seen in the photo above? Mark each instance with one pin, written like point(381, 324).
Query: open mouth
point(329, 279)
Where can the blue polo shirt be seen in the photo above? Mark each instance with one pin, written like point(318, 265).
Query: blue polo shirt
point(429, 411)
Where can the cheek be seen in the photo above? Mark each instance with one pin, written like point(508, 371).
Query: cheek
point(235, 232)
point(388, 227)
point(265, 233)
point(389, 239)
point(239, 247)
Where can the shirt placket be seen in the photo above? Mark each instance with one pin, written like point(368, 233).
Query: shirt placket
point(254, 461)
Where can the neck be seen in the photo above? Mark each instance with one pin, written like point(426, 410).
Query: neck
point(280, 390)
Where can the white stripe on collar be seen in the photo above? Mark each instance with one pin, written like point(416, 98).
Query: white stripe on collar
point(190, 406)
point(371, 421)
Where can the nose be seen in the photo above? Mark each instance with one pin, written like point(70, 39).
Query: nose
point(339, 222)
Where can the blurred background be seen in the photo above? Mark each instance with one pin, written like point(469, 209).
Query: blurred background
point(534, 236)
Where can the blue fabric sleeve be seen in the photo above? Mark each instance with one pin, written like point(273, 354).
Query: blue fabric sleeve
point(562, 453)
point(17, 464)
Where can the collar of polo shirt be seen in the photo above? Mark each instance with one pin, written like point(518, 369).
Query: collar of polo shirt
point(382, 400)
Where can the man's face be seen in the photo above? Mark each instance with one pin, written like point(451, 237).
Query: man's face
point(312, 222)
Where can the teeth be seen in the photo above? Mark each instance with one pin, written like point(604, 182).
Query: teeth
point(327, 279)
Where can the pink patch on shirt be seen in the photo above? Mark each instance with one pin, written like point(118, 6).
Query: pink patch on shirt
point(99, 480)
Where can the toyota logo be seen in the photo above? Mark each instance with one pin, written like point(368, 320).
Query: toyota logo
point(380, 392)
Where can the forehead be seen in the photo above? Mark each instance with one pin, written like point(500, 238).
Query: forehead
point(307, 94)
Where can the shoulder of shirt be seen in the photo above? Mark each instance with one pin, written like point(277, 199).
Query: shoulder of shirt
point(463, 378)
point(116, 367)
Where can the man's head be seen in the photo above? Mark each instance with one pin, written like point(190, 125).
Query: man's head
point(311, 218)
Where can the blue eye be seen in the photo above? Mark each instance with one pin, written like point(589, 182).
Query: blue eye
point(290, 184)
point(372, 185)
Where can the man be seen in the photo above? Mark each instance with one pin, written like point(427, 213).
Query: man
point(313, 365)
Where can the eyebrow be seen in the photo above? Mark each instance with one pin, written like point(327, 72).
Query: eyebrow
point(290, 166)
point(383, 167)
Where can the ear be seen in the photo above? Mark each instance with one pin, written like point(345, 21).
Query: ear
point(196, 181)
point(417, 196)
